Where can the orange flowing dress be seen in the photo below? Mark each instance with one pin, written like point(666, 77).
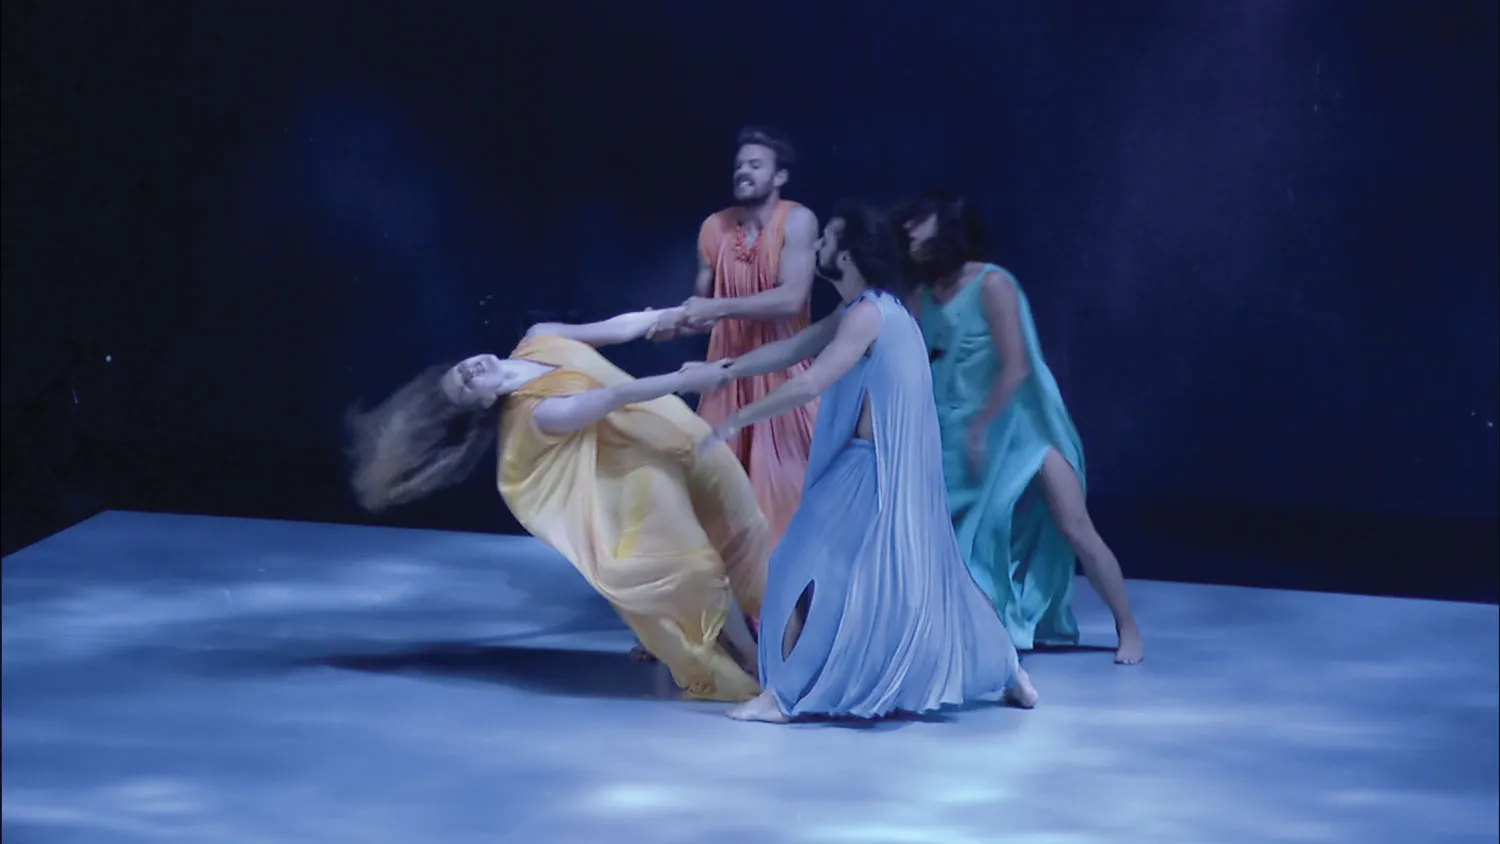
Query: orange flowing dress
point(773, 451)
point(665, 533)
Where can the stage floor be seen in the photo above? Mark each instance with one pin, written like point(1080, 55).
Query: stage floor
point(225, 681)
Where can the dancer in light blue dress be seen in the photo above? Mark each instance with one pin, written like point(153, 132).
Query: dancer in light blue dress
point(1011, 456)
point(869, 607)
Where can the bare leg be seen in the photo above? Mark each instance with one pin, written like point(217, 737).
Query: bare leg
point(1065, 500)
point(793, 632)
point(736, 632)
point(765, 708)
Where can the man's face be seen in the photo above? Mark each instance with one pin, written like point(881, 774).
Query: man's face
point(828, 250)
point(755, 173)
point(919, 233)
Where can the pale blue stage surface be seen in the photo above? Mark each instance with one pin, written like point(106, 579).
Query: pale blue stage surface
point(226, 681)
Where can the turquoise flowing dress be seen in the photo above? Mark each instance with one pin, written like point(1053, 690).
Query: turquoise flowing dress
point(895, 622)
point(1004, 526)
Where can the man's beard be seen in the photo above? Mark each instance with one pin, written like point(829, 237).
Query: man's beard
point(757, 196)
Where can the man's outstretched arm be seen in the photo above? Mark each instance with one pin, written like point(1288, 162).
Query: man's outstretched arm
point(774, 357)
point(852, 337)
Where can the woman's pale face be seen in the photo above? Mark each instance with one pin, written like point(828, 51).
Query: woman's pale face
point(477, 382)
point(919, 232)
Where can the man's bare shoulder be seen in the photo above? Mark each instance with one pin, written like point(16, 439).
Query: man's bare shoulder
point(800, 223)
point(800, 215)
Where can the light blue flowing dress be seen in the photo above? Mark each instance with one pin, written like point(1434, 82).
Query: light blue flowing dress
point(895, 621)
point(1004, 527)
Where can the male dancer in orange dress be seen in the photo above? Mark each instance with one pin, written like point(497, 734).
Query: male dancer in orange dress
point(755, 273)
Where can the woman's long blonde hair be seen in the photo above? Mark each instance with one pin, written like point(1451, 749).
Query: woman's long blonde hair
point(415, 443)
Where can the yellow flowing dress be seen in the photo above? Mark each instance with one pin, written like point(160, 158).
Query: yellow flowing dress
point(664, 533)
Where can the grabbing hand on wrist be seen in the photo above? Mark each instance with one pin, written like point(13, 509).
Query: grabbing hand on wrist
point(699, 313)
point(666, 324)
point(698, 376)
point(721, 433)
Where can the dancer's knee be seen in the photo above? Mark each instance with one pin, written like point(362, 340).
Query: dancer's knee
point(1076, 527)
point(1065, 500)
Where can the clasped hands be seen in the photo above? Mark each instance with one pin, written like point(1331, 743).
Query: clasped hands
point(698, 376)
point(693, 316)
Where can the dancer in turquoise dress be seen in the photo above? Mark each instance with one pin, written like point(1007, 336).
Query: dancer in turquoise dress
point(869, 608)
point(1011, 456)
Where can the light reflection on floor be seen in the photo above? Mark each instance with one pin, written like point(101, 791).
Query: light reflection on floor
point(218, 681)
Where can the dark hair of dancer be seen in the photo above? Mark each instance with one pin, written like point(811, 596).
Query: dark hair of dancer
point(780, 147)
point(416, 442)
point(960, 234)
point(873, 244)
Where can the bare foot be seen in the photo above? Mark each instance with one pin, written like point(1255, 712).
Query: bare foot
point(1131, 650)
point(640, 654)
point(764, 709)
point(1020, 692)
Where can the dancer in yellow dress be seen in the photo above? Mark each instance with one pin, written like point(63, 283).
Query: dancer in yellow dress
point(603, 467)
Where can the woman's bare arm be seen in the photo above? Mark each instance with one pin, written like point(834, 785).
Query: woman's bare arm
point(1002, 311)
point(565, 414)
point(613, 331)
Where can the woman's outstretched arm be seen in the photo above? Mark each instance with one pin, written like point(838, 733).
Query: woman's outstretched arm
point(564, 414)
point(615, 330)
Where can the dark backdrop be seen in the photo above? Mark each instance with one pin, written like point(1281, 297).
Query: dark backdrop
point(1260, 237)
